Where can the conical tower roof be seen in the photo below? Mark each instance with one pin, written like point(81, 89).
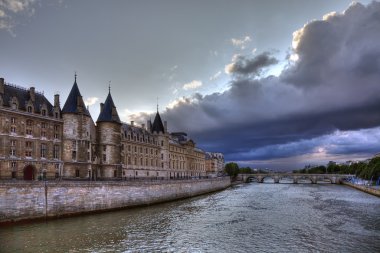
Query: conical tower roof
point(109, 112)
point(75, 101)
point(157, 124)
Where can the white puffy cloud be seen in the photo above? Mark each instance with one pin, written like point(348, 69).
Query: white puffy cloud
point(10, 8)
point(91, 101)
point(192, 85)
point(215, 76)
point(241, 43)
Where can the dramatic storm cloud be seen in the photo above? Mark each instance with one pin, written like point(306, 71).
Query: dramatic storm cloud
point(330, 83)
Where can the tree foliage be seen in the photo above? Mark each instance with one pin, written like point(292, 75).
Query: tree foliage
point(370, 170)
point(232, 169)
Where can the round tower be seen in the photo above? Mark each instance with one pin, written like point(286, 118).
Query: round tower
point(108, 135)
point(78, 136)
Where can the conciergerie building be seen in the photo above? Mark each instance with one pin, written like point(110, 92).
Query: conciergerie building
point(40, 140)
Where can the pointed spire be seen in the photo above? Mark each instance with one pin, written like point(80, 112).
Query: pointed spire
point(109, 87)
point(74, 102)
point(157, 124)
point(109, 112)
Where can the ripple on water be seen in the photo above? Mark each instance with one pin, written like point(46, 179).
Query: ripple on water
point(247, 218)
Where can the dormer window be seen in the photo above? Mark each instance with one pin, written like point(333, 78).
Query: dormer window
point(29, 109)
point(43, 112)
point(14, 106)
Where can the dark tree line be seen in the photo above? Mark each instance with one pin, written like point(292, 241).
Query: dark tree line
point(232, 169)
point(361, 169)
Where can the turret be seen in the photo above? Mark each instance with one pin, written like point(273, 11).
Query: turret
point(108, 136)
point(78, 135)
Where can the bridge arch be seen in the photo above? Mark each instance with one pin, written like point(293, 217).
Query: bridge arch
point(253, 178)
point(305, 178)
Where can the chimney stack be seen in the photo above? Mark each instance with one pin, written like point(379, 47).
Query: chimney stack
point(143, 126)
point(132, 123)
point(101, 107)
point(32, 94)
point(148, 124)
point(80, 104)
point(56, 100)
point(166, 126)
point(1, 85)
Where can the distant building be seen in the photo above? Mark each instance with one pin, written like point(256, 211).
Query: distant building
point(214, 163)
point(41, 140)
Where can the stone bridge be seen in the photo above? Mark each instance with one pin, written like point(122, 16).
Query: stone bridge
point(295, 177)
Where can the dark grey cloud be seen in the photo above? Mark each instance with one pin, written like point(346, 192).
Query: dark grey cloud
point(242, 65)
point(334, 85)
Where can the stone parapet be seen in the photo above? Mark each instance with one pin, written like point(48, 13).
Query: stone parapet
point(41, 200)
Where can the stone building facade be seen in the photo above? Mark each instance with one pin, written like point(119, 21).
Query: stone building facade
point(214, 163)
point(40, 140)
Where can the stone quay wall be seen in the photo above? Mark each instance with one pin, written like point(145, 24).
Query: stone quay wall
point(373, 191)
point(41, 200)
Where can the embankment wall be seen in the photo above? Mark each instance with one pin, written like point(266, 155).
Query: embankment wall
point(36, 200)
point(373, 191)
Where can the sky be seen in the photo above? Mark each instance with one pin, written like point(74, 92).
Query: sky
point(271, 84)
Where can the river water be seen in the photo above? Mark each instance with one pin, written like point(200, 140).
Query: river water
point(246, 218)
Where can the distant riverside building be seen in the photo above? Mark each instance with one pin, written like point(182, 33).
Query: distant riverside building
point(41, 140)
point(214, 163)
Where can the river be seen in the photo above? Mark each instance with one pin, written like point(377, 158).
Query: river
point(245, 218)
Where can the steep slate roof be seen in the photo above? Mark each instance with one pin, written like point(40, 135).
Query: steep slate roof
point(157, 124)
point(106, 114)
point(71, 104)
point(23, 97)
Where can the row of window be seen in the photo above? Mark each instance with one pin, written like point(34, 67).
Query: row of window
point(140, 149)
point(30, 108)
point(29, 149)
point(29, 128)
point(145, 139)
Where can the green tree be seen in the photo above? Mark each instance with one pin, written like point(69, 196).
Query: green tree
point(246, 170)
point(232, 169)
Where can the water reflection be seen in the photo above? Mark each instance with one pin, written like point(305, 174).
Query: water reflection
point(248, 218)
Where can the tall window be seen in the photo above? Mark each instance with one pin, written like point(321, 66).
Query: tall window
point(43, 150)
point(13, 148)
point(56, 131)
point(43, 129)
point(56, 152)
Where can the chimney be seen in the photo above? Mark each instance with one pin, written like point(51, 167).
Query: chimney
point(114, 112)
point(166, 126)
point(56, 100)
point(101, 107)
point(32, 94)
point(132, 123)
point(148, 124)
point(79, 104)
point(143, 126)
point(1, 85)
